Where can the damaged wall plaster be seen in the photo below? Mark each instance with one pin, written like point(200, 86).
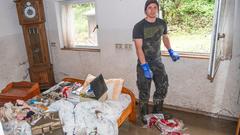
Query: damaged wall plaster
point(14, 66)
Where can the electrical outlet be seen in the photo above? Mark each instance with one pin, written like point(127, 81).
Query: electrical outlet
point(123, 46)
point(117, 45)
point(128, 46)
point(53, 44)
point(238, 100)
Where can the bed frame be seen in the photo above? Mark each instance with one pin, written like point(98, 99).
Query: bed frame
point(129, 112)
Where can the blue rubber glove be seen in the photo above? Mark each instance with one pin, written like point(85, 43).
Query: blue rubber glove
point(147, 71)
point(173, 55)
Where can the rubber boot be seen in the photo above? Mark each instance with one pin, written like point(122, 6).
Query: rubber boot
point(157, 107)
point(143, 108)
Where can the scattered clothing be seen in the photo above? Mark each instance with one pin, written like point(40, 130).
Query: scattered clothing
point(171, 126)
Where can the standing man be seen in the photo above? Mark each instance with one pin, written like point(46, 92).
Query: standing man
point(147, 38)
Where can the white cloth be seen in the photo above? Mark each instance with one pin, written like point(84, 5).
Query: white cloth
point(1, 129)
point(91, 117)
point(15, 127)
point(65, 110)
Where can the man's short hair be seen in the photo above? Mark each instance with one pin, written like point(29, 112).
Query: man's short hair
point(148, 2)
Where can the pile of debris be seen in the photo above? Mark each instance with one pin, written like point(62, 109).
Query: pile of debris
point(165, 124)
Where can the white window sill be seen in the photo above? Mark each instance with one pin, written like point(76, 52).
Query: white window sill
point(84, 48)
point(189, 55)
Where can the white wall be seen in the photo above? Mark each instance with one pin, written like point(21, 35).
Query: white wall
point(114, 27)
point(232, 85)
point(189, 87)
point(13, 57)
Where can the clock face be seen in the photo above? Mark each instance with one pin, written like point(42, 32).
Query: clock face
point(29, 10)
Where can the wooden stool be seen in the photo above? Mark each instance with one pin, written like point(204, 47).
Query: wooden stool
point(238, 126)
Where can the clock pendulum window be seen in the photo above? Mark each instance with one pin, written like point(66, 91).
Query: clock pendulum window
point(32, 19)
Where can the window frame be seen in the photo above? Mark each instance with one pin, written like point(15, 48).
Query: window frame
point(63, 46)
point(186, 54)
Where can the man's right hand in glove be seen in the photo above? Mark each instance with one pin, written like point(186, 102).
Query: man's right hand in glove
point(173, 55)
point(147, 71)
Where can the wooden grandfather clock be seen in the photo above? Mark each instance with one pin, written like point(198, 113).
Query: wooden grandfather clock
point(31, 17)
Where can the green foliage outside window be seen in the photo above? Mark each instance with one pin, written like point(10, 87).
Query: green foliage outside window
point(80, 17)
point(191, 16)
point(81, 21)
point(190, 24)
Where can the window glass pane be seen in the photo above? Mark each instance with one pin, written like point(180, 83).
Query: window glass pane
point(84, 21)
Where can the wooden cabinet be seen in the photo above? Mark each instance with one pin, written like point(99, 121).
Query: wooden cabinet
point(31, 17)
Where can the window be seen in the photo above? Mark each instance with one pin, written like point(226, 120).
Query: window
point(78, 24)
point(192, 32)
point(189, 24)
point(218, 40)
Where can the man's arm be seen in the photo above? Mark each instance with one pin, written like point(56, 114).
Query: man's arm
point(166, 41)
point(146, 69)
point(138, 45)
point(167, 44)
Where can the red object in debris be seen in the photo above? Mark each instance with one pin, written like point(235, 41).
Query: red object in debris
point(64, 91)
point(174, 133)
point(153, 121)
point(169, 123)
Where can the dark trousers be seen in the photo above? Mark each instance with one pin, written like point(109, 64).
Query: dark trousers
point(160, 80)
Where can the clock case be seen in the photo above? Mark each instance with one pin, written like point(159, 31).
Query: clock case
point(40, 67)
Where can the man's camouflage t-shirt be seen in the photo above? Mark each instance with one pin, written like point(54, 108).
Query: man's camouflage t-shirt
point(151, 34)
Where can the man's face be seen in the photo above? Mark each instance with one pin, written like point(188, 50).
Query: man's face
point(152, 10)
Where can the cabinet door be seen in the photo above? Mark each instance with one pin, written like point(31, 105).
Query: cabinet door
point(36, 44)
point(43, 75)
